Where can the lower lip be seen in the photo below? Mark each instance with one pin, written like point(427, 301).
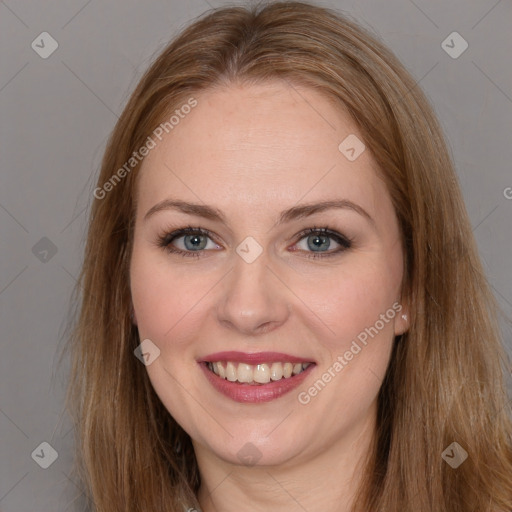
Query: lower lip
point(249, 393)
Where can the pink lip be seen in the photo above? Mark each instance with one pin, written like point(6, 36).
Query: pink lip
point(254, 358)
point(254, 393)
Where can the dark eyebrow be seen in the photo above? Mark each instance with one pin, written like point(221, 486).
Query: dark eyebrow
point(296, 212)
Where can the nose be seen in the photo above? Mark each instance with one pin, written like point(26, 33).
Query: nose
point(253, 298)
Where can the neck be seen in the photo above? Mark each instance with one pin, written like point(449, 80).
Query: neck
point(326, 482)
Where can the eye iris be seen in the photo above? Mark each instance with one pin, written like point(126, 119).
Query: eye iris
point(196, 238)
point(323, 241)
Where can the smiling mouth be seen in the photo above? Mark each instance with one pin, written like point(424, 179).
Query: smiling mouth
point(257, 374)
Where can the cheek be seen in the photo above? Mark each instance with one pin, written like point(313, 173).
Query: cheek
point(355, 299)
point(360, 307)
point(166, 299)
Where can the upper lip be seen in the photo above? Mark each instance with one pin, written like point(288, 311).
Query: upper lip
point(254, 357)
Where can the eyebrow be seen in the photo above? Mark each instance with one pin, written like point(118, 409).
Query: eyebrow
point(296, 212)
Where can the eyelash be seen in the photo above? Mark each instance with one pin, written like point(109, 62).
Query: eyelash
point(164, 240)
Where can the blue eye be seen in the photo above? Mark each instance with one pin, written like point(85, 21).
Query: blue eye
point(195, 241)
point(319, 238)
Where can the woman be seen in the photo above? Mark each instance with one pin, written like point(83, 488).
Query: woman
point(282, 301)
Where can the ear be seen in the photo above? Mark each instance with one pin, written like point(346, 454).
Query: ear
point(402, 318)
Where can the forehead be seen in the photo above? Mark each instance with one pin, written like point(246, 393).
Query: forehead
point(266, 145)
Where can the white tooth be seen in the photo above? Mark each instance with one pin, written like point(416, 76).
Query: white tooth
point(276, 371)
point(231, 372)
point(262, 374)
point(244, 373)
point(221, 371)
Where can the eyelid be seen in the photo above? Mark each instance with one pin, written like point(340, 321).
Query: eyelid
point(164, 240)
point(331, 233)
point(170, 235)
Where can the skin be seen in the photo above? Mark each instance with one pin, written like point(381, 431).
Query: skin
point(253, 151)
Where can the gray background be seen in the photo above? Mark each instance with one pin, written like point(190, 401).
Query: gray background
point(56, 114)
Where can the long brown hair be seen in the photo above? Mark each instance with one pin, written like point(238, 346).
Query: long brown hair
point(444, 383)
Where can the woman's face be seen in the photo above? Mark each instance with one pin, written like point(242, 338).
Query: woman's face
point(258, 296)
